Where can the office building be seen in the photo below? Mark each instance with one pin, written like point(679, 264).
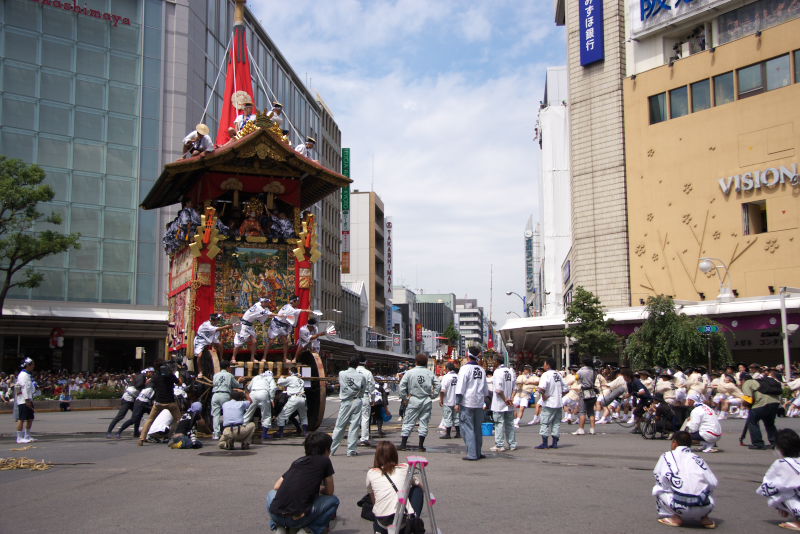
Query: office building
point(470, 323)
point(100, 94)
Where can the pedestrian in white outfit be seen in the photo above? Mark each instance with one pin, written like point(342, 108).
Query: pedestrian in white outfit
point(551, 388)
point(23, 402)
point(366, 401)
point(684, 484)
point(262, 392)
point(703, 425)
point(503, 382)
point(295, 388)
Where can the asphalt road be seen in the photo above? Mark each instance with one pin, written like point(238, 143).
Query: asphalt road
point(592, 484)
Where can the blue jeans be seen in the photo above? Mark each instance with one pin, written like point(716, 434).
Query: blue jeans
point(471, 420)
point(322, 511)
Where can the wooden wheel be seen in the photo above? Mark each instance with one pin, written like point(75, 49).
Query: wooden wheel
point(316, 395)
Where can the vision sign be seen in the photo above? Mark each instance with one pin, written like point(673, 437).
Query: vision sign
point(766, 178)
point(650, 15)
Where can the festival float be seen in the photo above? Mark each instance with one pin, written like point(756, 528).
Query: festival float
point(243, 231)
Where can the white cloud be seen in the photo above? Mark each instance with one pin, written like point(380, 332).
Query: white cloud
point(454, 159)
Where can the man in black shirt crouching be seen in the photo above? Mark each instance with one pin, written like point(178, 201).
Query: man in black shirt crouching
point(164, 383)
point(303, 496)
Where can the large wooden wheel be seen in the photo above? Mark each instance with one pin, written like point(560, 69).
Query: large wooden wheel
point(316, 395)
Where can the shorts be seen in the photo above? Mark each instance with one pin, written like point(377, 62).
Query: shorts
point(521, 401)
point(24, 412)
point(277, 329)
point(586, 407)
point(241, 338)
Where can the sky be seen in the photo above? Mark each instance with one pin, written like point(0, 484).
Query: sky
point(437, 101)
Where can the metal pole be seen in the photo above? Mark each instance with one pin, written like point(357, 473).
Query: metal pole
point(787, 369)
point(708, 347)
point(566, 354)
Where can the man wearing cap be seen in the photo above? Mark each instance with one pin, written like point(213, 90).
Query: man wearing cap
point(308, 339)
point(295, 389)
point(471, 389)
point(208, 336)
point(23, 401)
point(262, 391)
point(306, 149)
point(198, 142)
point(244, 117)
point(276, 114)
point(366, 400)
point(258, 312)
point(224, 384)
point(283, 324)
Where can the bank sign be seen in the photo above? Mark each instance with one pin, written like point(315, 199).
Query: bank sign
point(650, 15)
point(591, 28)
point(760, 178)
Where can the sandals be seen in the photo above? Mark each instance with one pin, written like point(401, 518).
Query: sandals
point(670, 522)
point(790, 525)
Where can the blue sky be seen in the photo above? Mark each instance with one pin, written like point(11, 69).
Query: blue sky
point(437, 101)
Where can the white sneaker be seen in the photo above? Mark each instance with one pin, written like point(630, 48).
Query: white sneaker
point(601, 421)
point(512, 448)
point(710, 449)
point(591, 431)
point(215, 436)
point(579, 432)
point(30, 439)
point(496, 449)
point(23, 440)
point(516, 425)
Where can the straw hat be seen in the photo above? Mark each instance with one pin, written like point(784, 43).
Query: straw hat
point(202, 129)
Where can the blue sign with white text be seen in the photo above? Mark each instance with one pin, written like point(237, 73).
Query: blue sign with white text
point(591, 31)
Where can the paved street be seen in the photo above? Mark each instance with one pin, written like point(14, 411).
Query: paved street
point(592, 484)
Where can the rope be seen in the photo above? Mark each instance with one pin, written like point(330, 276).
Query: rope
point(272, 96)
point(7, 464)
point(219, 71)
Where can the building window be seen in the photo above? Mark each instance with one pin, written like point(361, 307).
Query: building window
point(723, 88)
point(797, 66)
point(751, 80)
point(658, 108)
point(678, 102)
point(754, 217)
point(755, 16)
point(701, 95)
point(778, 72)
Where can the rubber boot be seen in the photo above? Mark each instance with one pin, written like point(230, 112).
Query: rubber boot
point(422, 444)
point(280, 432)
point(544, 443)
point(297, 427)
point(458, 431)
point(555, 443)
point(447, 433)
point(403, 443)
point(265, 433)
point(305, 430)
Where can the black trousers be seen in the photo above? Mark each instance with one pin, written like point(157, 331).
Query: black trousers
point(124, 407)
point(139, 409)
point(415, 497)
point(766, 414)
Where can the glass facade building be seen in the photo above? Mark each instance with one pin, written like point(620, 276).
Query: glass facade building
point(100, 93)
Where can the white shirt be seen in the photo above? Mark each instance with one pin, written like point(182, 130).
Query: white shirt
point(24, 387)
point(256, 313)
point(304, 150)
point(449, 382)
point(552, 388)
point(276, 116)
point(289, 314)
point(683, 470)
point(263, 382)
point(369, 377)
point(294, 384)
point(162, 423)
point(503, 381)
point(385, 495)
point(702, 419)
point(243, 119)
point(305, 338)
point(130, 394)
point(207, 334)
point(146, 395)
point(471, 385)
point(203, 142)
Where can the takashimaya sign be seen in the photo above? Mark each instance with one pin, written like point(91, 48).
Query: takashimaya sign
point(766, 178)
point(84, 10)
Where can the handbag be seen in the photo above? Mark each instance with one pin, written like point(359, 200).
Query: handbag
point(365, 503)
point(411, 523)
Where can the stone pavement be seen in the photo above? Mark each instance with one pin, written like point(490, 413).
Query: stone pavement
point(596, 484)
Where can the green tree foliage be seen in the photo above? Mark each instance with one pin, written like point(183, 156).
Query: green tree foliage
point(452, 335)
point(589, 327)
point(22, 241)
point(667, 339)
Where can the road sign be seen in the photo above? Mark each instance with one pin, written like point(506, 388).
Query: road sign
point(708, 329)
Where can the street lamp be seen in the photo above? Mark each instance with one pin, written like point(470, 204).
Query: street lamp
point(786, 332)
point(523, 299)
point(707, 265)
point(515, 313)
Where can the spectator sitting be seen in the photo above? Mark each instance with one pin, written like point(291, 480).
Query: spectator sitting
point(234, 428)
point(65, 400)
point(383, 482)
point(783, 478)
point(303, 496)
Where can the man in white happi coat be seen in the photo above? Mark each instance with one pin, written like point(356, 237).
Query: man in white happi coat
point(208, 337)
point(262, 392)
point(781, 484)
point(684, 484)
point(283, 323)
point(257, 313)
point(447, 400)
point(295, 389)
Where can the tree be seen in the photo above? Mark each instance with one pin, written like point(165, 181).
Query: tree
point(588, 326)
point(668, 339)
point(452, 335)
point(21, 242)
